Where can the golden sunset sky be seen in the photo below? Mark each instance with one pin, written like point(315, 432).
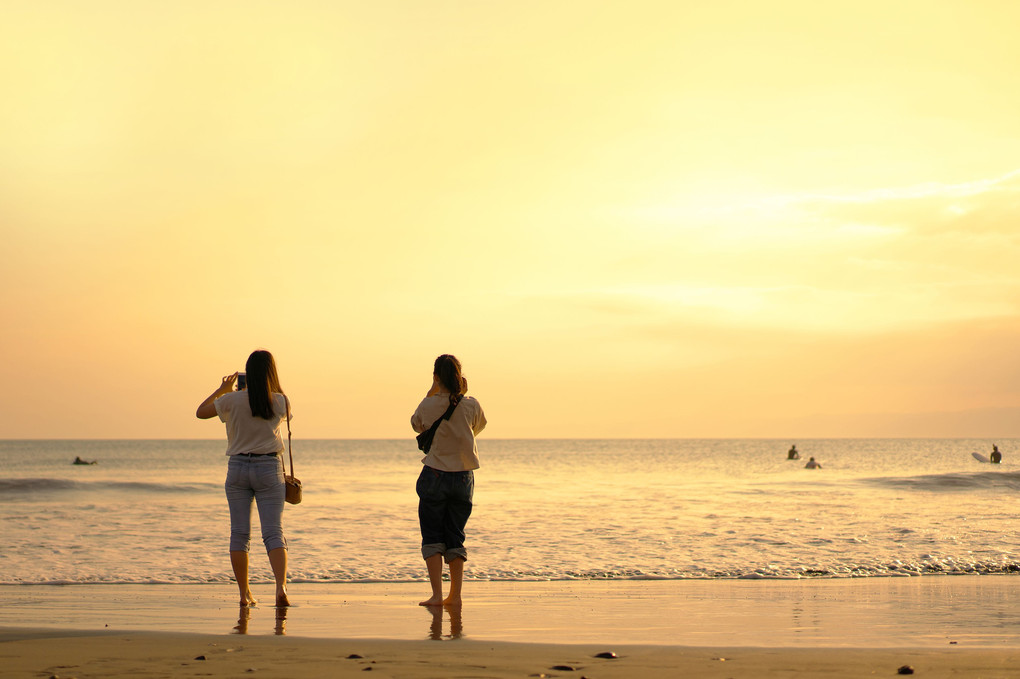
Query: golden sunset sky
point(628, 219)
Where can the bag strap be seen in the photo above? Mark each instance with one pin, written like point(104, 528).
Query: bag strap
point(290, 449)
point(446, 416)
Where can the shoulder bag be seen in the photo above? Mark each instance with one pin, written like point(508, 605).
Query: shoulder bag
point(425, 438)
point(292, 482)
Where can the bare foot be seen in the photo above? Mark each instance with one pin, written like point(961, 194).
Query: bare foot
point(282, 600)
point(434, 600)
point(452, 600)
point(248, 599)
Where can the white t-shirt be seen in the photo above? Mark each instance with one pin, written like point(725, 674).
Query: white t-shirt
point(249, 434)
point(453, 449)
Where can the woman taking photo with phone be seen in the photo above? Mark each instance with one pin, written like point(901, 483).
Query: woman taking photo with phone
point(446, 484)
point(253, 416)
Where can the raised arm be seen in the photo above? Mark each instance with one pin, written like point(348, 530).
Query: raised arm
point(207, 409)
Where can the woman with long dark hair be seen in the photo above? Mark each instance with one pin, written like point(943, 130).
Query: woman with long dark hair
point(253, 416)
point(446, 484)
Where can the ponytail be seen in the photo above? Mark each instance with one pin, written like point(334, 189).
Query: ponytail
point(447, 369)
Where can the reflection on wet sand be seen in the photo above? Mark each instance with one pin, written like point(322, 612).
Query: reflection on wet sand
point(281, 620)
point(456, 621)
point(244, 617)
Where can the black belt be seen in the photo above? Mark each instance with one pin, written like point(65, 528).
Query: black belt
point(258, 454)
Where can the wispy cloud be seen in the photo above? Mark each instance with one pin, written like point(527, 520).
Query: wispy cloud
point(888, 257)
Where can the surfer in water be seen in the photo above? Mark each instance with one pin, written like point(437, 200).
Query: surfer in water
point(78, 460)
point(811, 464)
point(793, 454)
point(996, 456)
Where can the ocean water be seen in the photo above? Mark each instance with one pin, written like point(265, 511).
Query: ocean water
point(154, 511)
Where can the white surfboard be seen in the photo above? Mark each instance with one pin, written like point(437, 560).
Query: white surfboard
point(980, 458)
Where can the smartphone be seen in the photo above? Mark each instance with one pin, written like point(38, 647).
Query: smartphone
point(242, 381)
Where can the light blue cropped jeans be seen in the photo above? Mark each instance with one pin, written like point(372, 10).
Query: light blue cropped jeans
point(259, 478)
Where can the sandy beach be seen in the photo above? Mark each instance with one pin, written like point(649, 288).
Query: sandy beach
point(940, 626)
point(142, 654)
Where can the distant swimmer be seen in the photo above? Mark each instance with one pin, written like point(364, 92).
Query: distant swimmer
point(996, 456)
point(78, 460)
point(793, 454)
point(811, 464)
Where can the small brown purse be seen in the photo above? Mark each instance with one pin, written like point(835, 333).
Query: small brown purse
point(292, 482)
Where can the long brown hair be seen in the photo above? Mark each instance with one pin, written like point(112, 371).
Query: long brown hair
point(263, 381)
point(447, 369)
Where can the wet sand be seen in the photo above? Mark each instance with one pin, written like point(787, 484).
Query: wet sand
point(942, 626)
